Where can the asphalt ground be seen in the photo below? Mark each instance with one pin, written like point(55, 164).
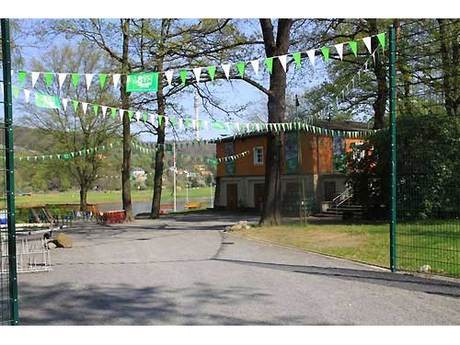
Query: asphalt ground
point(184, 270)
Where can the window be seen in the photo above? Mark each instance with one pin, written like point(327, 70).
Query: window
point(258, 155)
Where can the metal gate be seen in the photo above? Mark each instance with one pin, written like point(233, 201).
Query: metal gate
point(8, 276)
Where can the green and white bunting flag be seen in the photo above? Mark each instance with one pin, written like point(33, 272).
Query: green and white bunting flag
point(46, 101)
point(269, 64)
point(147, 80)
point(354, 47)
point(212, 72)
point(142, 82)
point(325, 52)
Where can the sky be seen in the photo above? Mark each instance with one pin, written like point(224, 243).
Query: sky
point(231, 94)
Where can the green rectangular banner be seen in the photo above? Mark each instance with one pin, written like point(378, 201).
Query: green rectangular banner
point(142, 82)
point(46, 101)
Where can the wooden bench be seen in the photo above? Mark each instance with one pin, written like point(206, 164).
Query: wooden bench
point(192, 205)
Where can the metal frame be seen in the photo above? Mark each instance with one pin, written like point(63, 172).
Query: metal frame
point(393, 191)
point(9, 162)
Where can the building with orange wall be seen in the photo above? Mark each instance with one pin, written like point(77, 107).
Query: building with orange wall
point(312, 167)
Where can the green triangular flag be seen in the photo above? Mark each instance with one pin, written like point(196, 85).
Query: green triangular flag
point(354, 47)
point(130, 114)
point(241, 66)
point(75, 79)
point(95, 108)
point(183, 76)
point(160, 119)
point(145, 117)
point(22, 77)
point(269, 64)
point(75, 105)
point(212, 72)
point(297, 58)
point(102, 79)
point(381, 38)
point(48, 76)
point(325, 51)
point(15, 91)
point(113, 112)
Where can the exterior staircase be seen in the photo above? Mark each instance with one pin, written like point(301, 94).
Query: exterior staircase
point(342, 205)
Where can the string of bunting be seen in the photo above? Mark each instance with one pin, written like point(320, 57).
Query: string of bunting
point(233, 157)
point(54, 102)
point(81, 153)
point(148, 81)
point(349, 86)
point(355, 79)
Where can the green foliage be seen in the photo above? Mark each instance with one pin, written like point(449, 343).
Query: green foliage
point(428, 148)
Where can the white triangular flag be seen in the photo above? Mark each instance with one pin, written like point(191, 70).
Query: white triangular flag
point(88, 78)
point(282, 59)
point(84, 106)
point(138, 115)
point(311, 56)
point(35, 76)
point(26, 95)
point(64, 103)
point(169, 76)
point(152, 118)
point(104, 110)
point(197, 72)
point(116, 79)
point(367, 43)
point(255, 66)
point(61, 79)
point(121, 112)
point(226, 68)
point(181, 124)
point(339, 48)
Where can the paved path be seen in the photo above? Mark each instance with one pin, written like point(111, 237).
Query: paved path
point(185, 271)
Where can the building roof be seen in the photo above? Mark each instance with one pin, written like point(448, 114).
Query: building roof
point(325, 124)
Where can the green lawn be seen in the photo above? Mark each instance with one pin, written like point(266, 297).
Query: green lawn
point(436, 244)
point(103, 197)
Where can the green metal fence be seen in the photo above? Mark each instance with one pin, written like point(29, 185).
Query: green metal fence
point(8, 273)
point(427, 187)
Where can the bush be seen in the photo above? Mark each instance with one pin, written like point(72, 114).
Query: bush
point(428, 166)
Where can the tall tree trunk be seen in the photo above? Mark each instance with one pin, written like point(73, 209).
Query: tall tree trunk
point(159, 156)
point(126, 164)
point(271, 212)
point(448, 34)
point(381, 75)
point(161, 131)
point(83, 197)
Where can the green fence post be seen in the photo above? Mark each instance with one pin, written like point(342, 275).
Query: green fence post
point(9, 160)
point(392, 97)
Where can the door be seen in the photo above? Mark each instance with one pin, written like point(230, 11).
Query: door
point(329, 190)
point(258, 195)
point(232, 196)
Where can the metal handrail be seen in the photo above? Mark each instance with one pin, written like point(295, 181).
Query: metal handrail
point(343, 197)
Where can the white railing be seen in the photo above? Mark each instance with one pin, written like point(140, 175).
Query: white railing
point(343, 197)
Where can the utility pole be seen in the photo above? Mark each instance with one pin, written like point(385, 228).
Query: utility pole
point(196, 106)
point(174, 178)
point(186, 187)
point(212, 194)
